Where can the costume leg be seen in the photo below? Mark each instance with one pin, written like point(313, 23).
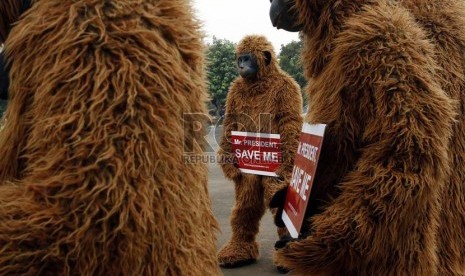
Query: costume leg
point(249, 207)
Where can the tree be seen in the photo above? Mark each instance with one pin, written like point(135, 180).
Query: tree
point(221, 71)
point(291, 62)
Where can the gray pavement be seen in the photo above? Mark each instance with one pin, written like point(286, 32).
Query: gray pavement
point(222, 194)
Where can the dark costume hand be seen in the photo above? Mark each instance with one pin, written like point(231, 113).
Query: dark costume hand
point(277, 201)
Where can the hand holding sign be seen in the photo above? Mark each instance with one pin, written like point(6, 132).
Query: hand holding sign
point(305, 165)
point(278, 202)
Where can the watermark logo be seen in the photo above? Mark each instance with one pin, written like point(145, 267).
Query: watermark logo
point(203, 137)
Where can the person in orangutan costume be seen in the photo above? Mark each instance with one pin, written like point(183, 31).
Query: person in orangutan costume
point(92, 177)
point(262, 99)
point(387, 77)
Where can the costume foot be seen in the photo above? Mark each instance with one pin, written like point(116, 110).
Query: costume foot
point(237, 254)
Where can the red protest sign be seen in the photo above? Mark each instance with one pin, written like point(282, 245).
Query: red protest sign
point(256, 153)
point(305, 163)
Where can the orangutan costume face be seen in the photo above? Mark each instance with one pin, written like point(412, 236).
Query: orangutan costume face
point(283, 15)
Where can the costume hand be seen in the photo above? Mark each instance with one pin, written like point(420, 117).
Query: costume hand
point(283, 241)
point(277, 201)
point(228, 164)
point(236, 173)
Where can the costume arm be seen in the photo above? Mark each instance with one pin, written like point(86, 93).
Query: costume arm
point(388, 202)
point(225, 152)
point(289, 119)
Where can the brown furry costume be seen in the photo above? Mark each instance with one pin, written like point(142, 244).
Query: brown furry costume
point(388, 77)
point(92, 180)
point(272, 92)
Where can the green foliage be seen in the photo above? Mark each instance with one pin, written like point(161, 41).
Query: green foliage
point(221, 71)
point(291, 62)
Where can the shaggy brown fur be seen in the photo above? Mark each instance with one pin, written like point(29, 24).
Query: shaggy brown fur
point(92, 180)
point(274, 93)
point(388, 77)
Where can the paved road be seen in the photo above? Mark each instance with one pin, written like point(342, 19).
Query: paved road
point(222, 194)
